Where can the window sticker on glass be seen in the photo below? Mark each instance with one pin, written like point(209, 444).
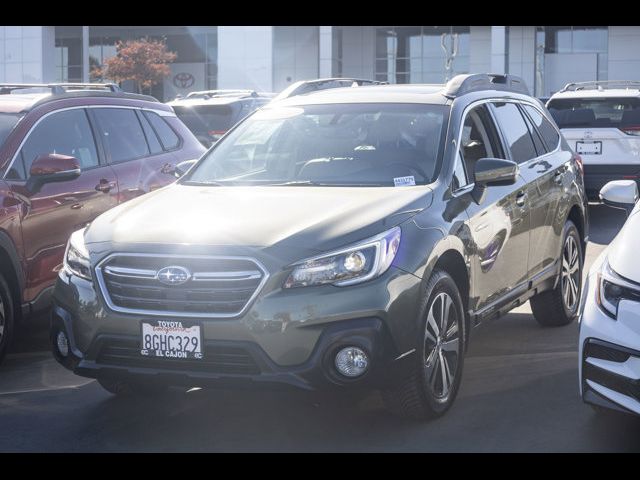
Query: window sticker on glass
point(404, 181)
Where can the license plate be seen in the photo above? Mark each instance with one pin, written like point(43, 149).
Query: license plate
point(171, 339)
point(589, 148)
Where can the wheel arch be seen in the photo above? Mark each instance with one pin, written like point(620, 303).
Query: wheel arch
point(576, 215)
point(449, 256)
point(11, 269)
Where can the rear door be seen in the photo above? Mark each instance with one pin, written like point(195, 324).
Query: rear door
point(134, 151)
point(547, 175)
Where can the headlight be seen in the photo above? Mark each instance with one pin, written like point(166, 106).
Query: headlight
point(76, 257)
point(612, 288)
point(355, 264)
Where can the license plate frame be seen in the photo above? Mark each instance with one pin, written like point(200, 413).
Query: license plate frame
point(177, 333)
point(596, 150)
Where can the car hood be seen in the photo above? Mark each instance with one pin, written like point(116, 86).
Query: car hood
point(298, 218)
point(621, 253)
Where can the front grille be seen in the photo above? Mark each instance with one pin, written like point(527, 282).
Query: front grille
point(217, 287)
point(217, 359)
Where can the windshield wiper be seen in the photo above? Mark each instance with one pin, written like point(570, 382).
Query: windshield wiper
point(203, 184)
point(298, 183)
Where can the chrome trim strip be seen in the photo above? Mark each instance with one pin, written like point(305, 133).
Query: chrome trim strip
point(167, 313)
point(230, 276)
point(130, 272)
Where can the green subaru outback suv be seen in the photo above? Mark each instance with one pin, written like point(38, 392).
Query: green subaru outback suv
point(346, 238)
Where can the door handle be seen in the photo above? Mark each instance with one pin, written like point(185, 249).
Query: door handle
point(557, 177)
point(105, 186)
point(521, 198)
point(168, 168)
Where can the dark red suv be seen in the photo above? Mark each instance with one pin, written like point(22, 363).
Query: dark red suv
point(68, 152)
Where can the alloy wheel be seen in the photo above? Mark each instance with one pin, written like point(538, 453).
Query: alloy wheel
point(441, 346)
point(570, 273)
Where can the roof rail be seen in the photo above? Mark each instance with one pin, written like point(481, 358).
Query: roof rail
point(600, 85)
point(219, 93)
point(308, 86)
point(463, 84)
point(59, 88)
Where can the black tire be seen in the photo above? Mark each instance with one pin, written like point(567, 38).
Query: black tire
point(551, 308)
point(421, 395)
point(7, 317)
point(123, 388)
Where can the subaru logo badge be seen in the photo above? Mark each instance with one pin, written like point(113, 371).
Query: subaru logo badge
point(173, 275)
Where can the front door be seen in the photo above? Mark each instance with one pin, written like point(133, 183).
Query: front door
point(499, 225)
point(50, 214)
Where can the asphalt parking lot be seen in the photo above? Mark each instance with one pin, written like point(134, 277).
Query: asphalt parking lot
point(519, 393)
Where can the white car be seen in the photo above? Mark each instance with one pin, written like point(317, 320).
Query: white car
point(609, 345)
point(601, 123)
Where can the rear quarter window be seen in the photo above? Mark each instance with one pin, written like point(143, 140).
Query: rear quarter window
point(166, 134)
point(547, 130)
point(595, 112)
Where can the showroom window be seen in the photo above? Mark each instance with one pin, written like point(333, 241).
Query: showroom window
point(421, 54)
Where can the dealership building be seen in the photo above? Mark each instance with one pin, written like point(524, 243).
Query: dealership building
point(269, 58)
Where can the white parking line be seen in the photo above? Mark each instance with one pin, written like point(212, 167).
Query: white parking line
point(35, 390)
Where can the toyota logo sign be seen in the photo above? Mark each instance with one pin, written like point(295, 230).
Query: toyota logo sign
point(173, 275)
point(183, 80)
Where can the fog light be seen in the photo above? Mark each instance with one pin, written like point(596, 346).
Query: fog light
point(62, 343)
point(352, 362)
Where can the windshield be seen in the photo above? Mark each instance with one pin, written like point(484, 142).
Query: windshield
point(337, 144)
point(207, 119)
point(7, 122)
point(595, 113)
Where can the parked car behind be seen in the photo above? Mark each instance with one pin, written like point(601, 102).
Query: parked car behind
point(69, 152)
point(601, 122)
point(210, 114)
point(347, 238)
point(609, 343)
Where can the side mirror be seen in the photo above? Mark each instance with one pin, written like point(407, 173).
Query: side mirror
point(183, 167)
point(492, 172)
point(620, 194)
point(52, 167)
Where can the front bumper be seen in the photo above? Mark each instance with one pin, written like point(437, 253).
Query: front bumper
point(597, 176)
point(610, 355)
point(264, 347)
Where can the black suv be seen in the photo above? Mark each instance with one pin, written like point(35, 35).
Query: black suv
point(209, 114)
point(348, 237)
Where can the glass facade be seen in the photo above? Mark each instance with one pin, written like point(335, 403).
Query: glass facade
point(421, 54)
point(552, 40)
point(193, 45)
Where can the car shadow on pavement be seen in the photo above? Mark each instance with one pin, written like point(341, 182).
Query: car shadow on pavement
point(604, 223)
point(509, 419)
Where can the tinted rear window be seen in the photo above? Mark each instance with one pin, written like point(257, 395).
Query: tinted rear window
point(596, 112)
point(7, 122)
point(208, 118)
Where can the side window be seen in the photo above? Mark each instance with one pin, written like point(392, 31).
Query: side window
point(479, 139)
point(535, 136)
point(515, 131)
point(122, 133)
point(167, 136)
point(459, 175)
point(68, 133)
point(547, 130)
point(152, 138)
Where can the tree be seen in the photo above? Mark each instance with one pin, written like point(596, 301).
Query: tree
point(144, 61)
